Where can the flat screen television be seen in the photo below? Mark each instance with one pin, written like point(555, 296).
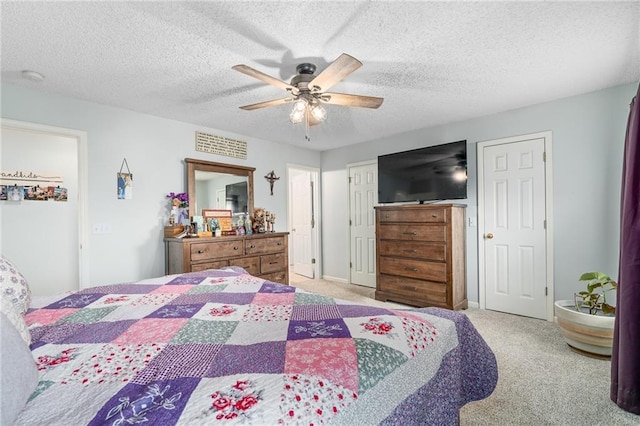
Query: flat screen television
point(432, 173)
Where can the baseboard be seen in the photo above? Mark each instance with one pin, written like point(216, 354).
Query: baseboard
point(474, 305)
point(330, 278)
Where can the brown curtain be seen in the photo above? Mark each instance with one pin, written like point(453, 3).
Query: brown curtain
point(625, 359)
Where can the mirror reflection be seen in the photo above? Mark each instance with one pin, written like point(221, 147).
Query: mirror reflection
point(219, 186)
point(221, 191)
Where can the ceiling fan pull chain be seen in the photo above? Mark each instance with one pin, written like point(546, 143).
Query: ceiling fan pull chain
point(306, 124)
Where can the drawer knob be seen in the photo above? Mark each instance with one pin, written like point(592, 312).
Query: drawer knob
point(410, 233)
point(200, 251)
point(411, 251)
point(434, 215)
point(235, 248)
point(408, 287)
point(252, 246)
point(411, 269)
point(279, 244)
point(273, 263)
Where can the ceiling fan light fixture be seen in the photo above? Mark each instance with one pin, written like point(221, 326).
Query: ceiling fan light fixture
point(298, 111)
point(318, 112)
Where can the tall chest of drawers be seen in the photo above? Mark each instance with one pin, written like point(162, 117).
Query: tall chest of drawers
point(262, 255)
point(420, 255)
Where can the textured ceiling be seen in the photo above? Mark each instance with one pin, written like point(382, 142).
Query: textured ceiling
point(433, 62)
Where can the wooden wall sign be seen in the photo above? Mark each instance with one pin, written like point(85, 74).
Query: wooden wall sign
point(221, 145)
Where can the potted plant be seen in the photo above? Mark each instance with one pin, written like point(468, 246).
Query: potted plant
point(586, 323)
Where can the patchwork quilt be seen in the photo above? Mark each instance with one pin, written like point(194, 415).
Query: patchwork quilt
point(224, 347)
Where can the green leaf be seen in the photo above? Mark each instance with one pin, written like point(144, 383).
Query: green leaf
point(608, 309)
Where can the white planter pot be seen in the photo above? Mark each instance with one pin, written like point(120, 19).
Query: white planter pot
point(585, 332)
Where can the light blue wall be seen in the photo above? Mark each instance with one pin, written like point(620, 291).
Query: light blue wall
point(155, 149)
point(588, 139)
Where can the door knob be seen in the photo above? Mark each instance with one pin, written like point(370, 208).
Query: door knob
point(489, 236)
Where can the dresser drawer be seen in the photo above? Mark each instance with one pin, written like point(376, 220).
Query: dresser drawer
point(265, 245)
point(411, 232)
point(209, 265)
point(409, 215)
point(272, 262)
point(276, 277)
point(413, 268)
point(423, 290)
point(216, 250)
point(413, 249)
point(250, 264)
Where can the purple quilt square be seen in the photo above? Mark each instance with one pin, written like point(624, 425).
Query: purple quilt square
point(99, 332)
point(261, 358)
point(55, 333)
point(176, 361)
point(270, 287)
point(354, 311)
point(159, 403)
point(233, 298)
point(76, 300)
point(314, 312)
point(186, 279)
point(176, 311)
point(329, 328)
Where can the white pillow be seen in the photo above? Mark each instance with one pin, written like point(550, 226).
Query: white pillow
point(16, 319)
point(13, 286)
point(18, 372)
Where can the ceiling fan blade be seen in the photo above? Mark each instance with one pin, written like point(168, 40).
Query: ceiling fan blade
point(351, 100)
point(266, 104)
point(336, 71)
point(251, 72)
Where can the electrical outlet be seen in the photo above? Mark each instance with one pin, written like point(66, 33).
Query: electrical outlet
point(101, 228)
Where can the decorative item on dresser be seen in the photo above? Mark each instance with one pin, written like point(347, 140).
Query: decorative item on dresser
point(263, 255)
point(420, 255)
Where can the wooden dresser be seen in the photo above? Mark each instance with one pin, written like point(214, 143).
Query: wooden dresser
point(262, 255)
point(420, 255)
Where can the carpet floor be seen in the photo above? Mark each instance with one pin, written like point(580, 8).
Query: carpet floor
point(542, 381)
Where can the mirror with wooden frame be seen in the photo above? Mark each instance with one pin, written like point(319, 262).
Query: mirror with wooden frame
point(219, 186)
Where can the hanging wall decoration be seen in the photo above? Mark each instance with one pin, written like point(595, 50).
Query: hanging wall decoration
point(31, 186)
point(125, 182)
point(271, 178)
point(221, 145)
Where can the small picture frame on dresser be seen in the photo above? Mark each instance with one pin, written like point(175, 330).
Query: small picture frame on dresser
point(223, 216)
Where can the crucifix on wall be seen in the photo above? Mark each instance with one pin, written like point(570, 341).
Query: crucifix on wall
point(271, 177)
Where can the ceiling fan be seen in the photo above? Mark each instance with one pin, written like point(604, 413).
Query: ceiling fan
point(308, 91)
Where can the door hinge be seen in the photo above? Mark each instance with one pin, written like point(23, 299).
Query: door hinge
point(313, 223)
point(545, 224)
point(350, 222)
point(349, 179)
point(350, 265)
point(544, 156)
point(313, 261)
point(546, 291)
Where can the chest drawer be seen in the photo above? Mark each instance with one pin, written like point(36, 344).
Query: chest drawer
point(216, 250)
point(265, 245)
point(249, 264)
point(217, 264)
point(429, 291)
point(408, 215)
point(272, 262)
point(412, 232)
point(413, 249)
point(276, 277)
point(420, 269)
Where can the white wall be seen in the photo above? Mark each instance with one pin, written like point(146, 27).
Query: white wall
point(588, 139)
point(155, 149)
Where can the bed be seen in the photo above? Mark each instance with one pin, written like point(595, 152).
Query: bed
point(224, 347)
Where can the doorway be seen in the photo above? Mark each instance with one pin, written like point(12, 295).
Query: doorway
point(363, 196)
point(514, 225)
point(303, 221)
point(46, 239)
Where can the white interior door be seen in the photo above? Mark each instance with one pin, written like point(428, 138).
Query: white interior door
point(513, 237)
point(302, 223)
point(363, 196)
